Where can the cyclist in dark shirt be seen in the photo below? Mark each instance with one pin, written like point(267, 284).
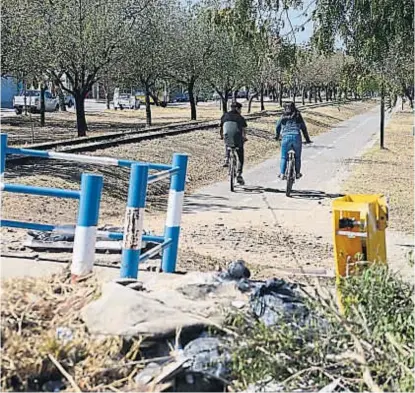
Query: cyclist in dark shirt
point(233, 130)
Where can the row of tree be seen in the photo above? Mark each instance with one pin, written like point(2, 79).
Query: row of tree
point(213, 45)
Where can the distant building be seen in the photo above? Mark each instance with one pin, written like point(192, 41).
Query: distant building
point(9, 88)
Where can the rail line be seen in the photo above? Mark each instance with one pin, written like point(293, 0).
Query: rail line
point(91, 143)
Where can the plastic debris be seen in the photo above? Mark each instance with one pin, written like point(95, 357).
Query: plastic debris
point(236, 271)
point(207, 355)
point(64, 334)
point(276, 300)
point(53, 386)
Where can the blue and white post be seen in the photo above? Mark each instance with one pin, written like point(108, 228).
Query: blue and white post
point(174, 213)
point(134, 221)
point(3, 156)
point(86, 228)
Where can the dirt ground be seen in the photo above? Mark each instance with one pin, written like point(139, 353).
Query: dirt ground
point(206, 154)
point(391, 171)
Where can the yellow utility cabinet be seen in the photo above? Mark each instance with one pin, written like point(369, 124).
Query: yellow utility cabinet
point(359, 223)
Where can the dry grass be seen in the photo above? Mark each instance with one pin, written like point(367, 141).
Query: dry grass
point(390, 172)
point(32, 351)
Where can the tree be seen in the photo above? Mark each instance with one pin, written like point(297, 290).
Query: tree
point(148, 48)
point(373, 31)
point(84, 38)
point(22, 49)
point(191, 49)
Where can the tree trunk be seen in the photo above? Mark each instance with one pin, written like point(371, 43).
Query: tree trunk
point(247, 93)
point(250, 101)
point(234, 96)
point(224, 99)
point(409, 92)
point(382, 117)
point(280, 97)
point(294, 95)
point(319, 94)
point(315, 95)
point(262, 97)
point(148, 107)
point(310, 94)
point(303, 96)
point(190, 88)
point(335, 93)
point(80, 114)
point(42, 105)
point(107, 100)
point(402, 102)
point(327, 93)
point(61, 96)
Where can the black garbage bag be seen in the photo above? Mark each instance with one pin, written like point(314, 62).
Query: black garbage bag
point(236, 271)
point(277, 300)
point(208, 356)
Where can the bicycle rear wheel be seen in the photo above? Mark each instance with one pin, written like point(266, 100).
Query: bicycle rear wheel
point(290, 177)
point(232, 173)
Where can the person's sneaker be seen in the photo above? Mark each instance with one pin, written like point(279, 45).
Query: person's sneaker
point(282, 177)
point(226, 164)
point(240, 180)
point(298, 176)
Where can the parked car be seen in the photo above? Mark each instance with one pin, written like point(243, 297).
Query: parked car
point(125, 101)
point(180, 97)
point(31, 98)
point(241, 94)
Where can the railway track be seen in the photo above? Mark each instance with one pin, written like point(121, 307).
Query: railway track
point(92, 143)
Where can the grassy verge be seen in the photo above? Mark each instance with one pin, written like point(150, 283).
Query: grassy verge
point(390, 172)
point(369, 349)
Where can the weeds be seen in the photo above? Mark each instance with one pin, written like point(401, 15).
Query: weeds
point(370, 348)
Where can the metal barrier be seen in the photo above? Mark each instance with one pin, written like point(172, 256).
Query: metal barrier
point(133, 229)
point(89, 197)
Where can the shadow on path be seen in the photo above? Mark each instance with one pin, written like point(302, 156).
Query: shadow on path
point(298, 194)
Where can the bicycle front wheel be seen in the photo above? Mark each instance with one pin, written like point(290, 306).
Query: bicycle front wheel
point(290, 177)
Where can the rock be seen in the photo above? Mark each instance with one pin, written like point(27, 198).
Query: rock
point(238, 304)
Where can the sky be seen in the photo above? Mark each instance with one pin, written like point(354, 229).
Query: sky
point(297, 19)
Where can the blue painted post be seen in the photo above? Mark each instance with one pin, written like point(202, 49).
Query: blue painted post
point(134, 221)
point(3, 155)
point(174, 213)
point(86, 228)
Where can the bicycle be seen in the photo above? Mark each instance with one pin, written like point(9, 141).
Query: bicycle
point(233, 165)
point(290, 173)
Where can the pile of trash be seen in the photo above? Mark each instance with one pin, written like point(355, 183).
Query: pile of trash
point(62, 241)
point(165, 334)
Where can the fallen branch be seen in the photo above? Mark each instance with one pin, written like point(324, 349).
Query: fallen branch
point(64, 373)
